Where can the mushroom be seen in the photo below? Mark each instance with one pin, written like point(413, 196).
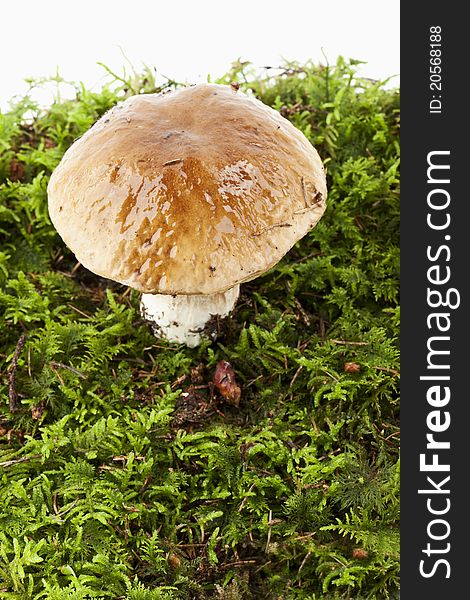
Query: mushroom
point(185, 195)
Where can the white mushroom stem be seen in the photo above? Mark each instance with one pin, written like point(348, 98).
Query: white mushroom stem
point(184, 319)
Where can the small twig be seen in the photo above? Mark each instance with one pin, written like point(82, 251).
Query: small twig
point(29, 361)
point(54, 503)
point(260, 568)
point(75, 268)
point(57, 374)
point(317, 199)
point(307, 257)
point(305, 210)
point(330, 375)
point(64, 512)
point(177, 382)
point(174, 161)
point(80, 312)
point(254, 381)
point(304, 192)
point(307, 556)
point(306, 536)
point(314, 425)
point(238, 563)
point(59, 365)
point(15, 461)
point(12, 393)
point(258, 233)
point(302, 211)
point(349, 343)
point(302, 311)
point(126, 292)
point(146, 483)
point(387, 370)
point(245, 498)
point(296, 374)
point(268, 540)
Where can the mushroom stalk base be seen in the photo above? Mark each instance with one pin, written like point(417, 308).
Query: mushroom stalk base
point(187, 319)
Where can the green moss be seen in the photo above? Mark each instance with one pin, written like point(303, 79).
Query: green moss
point(123, 473)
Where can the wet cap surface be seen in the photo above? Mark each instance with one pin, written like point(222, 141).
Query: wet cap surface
point(189, 192)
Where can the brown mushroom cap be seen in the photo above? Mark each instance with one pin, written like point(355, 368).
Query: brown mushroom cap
point(188, 192)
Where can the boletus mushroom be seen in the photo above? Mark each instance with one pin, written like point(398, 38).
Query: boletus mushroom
point(185, 195)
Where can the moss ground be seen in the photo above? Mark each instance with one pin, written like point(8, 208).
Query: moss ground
point(124, 474)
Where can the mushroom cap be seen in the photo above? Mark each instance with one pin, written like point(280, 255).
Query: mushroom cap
point(187, 192)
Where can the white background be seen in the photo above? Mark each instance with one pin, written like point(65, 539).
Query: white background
point(187, 40)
